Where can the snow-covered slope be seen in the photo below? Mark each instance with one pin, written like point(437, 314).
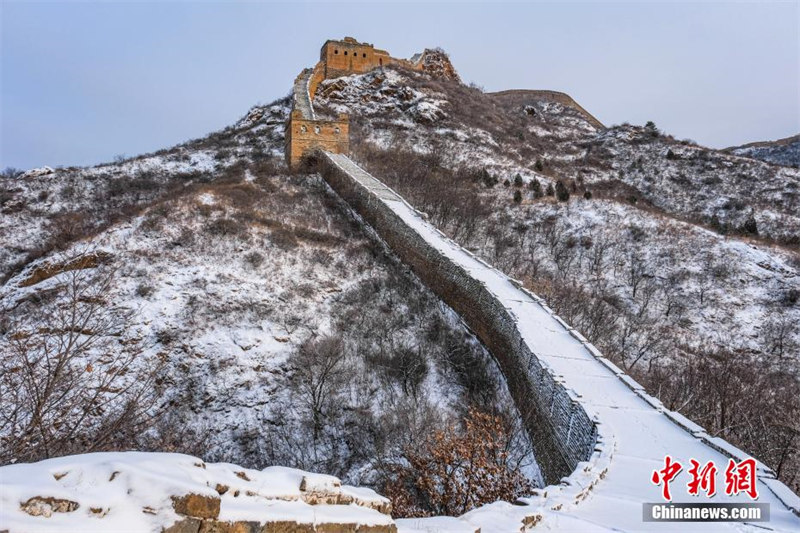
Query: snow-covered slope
point(781, 152)
point(223, 275)
point(226, 280)
point(635, 432)
point(679, 262)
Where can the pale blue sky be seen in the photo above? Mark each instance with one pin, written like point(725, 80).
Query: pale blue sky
point(85, 81)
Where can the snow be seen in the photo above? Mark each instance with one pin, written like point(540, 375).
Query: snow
point(113, 489)
point(239, 361)
point(436, 524)
point(634, 433)
point(37, 172)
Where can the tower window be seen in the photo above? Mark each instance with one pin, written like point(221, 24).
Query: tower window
point(336, 51)
point(365, 55)
point(345, 52)
point(316, 130)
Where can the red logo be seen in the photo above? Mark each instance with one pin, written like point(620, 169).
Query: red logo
point(739, 477)
point(702, 478)
point(665, 476)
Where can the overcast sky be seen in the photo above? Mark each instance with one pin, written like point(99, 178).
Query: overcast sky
point(84, 82)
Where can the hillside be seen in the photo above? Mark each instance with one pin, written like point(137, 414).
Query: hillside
point(781, 152)
point(206, 300)
point(678, 261)
point(214, 286)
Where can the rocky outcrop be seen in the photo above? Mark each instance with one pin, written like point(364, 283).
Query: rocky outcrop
point(39, 506)
point(436, 63)
point(38, 172)
point(51, 269)
point(196, 505)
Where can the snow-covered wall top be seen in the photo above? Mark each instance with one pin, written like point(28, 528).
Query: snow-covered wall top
point(134, 491)
point(634, 430)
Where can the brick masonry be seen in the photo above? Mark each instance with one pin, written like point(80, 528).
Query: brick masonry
point(304, 135)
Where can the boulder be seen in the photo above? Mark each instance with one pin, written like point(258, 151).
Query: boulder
point(187, 525)
point(196, 505)
point(46, 506)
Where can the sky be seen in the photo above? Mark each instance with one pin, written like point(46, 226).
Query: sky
point(84, 82)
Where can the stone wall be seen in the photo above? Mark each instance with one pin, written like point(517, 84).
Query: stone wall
point(317, 76)
point(305, 135)
point(561, 431)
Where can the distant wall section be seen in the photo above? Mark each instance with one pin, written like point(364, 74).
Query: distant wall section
point(305, 131)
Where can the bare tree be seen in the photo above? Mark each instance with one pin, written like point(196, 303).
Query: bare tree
point(319, 371)
point(778, 334)
point(68, 384)
point(637, 269)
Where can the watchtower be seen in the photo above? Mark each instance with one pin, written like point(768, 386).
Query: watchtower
point(349, 56)
point(304, 135)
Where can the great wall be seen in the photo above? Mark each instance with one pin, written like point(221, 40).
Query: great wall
point(594, 429)
point(596, 434)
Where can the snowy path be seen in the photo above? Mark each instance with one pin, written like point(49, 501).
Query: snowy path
point(636, 431)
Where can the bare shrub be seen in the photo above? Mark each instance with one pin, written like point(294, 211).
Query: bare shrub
point(224, 227)
point(11, 173)
point(254, 259)
point(456, 470)
point(283, 238)
point(144, 289)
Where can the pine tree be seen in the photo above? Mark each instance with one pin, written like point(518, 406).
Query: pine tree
point(536, 187)
point(562, 194)
point(517, 196)
point(750, 226)
point(517, 181)
point(488, 180)
point(550, 191)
